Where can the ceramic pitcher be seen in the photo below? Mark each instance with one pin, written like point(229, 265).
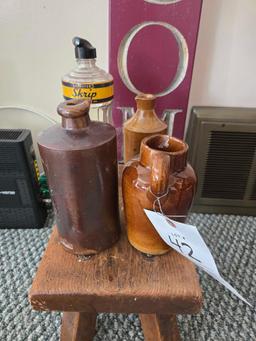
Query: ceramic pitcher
point(162, 181)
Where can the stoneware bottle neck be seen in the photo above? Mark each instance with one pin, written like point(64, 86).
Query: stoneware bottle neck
point(75, 114)
point(145, 103)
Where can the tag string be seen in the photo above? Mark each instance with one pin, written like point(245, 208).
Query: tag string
point(158, 201)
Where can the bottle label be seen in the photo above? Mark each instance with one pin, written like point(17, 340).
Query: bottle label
point(96, 92)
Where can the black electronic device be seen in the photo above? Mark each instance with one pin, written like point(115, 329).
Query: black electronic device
point(20, 202)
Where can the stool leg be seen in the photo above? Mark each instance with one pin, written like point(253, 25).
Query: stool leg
point(159, 327)
point(78, 326)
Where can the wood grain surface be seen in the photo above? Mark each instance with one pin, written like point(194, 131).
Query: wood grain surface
point(78, 326)
point(119, 279)
point(159, 327)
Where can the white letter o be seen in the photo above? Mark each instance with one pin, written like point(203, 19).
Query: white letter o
point(162, 2)
point(183, 56)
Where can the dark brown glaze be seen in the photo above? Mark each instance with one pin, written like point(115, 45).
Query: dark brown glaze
point(80, 162)
point(142, 124)
point(162, 172)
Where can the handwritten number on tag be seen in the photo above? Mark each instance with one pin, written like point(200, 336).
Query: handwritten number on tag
point(180, 247)
point(185, 239)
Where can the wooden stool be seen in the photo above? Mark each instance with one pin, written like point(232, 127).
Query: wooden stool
point(118, 280)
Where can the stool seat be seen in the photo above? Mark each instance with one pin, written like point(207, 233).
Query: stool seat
point(118, 280)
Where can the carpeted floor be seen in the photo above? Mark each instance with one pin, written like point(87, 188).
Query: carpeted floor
point(232, 240)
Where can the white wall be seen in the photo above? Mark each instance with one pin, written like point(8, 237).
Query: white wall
point(36, 48)
point(225, 66)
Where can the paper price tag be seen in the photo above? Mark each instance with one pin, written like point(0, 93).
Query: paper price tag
point(186, 240)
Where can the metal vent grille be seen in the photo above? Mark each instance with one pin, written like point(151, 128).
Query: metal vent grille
point(9, 134)
point(253, 195)
point(8, 156)
point(228, 165)
point(18, 217)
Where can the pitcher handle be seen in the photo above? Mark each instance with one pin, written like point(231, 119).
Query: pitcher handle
point(159, 177)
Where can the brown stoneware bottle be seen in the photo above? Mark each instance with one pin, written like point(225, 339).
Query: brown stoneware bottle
point(143, 123)
point(80, 161)
point(160, 180)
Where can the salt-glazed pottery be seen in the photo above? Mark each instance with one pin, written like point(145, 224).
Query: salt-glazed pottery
point(143, 123)
point(80, 161)
point(160, 180)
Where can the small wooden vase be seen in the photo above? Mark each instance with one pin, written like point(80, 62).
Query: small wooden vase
point(143, 123)
point(161, 173)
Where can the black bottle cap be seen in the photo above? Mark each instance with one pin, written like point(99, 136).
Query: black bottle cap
point(83, 49)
